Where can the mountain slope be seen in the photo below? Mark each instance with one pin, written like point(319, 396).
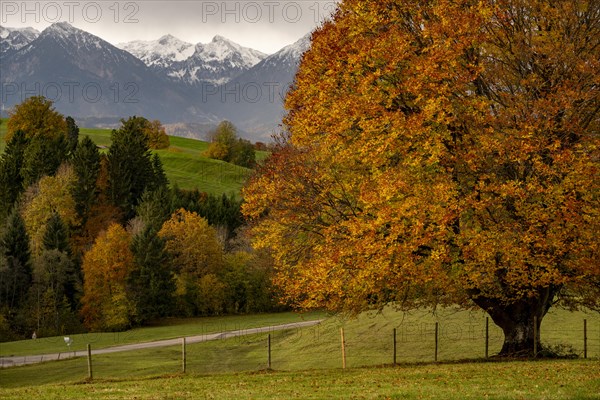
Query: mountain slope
point(260, 91)
point(87, 76)
point(12, 39)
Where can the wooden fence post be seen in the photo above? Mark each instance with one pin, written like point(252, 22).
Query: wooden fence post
point(395, 346)
point(343, 348)
point(487, 336)
point(535, 335)
point(269, 351)
point(436, 341)
point(585, 338)
point(183, 356)
point(89, 361)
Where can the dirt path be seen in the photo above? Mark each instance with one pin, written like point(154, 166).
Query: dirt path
point(34, 359)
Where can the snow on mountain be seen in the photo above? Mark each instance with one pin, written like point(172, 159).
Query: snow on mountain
point(215, 62)
point(87, 76)
point(12, 39)
point(161, 53)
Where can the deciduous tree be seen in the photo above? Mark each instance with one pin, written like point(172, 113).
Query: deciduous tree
point(107, 267)
point(36, 116)
point(441, 153)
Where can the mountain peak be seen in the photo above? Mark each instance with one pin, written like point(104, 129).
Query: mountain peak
point(219, 38)
point(62, 27)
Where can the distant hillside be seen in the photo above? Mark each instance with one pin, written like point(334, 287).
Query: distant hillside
point(183, 162)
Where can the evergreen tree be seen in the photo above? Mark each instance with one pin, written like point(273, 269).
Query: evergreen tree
point(43, 156)
point(152, 281)
point(11, 181)
point(156, 207)
point(72, 135)
point(86, 163)
point(160, 178)
point(16, 276)
point(56, 235)
point(129, 165)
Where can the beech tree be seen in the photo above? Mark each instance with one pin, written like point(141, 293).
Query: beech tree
point(441, 153)
point(36, 117)
point(107, 267)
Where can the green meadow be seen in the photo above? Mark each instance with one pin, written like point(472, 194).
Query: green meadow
point(184, 163)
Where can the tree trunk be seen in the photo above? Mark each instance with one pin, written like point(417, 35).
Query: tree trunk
point(516, 320)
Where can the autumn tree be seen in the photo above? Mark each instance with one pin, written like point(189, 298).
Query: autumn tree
point(227, 146)
point(107, 267)
point(195, 253)
point(157, 137)
point(36, 117)
point(441, 153)
point(51, 195)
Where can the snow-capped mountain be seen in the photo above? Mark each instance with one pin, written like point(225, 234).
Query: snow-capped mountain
point(263, 88)
point(87, 76)
point(216, 62)
point(161, 53)
point(12, 39)
point(167, 79)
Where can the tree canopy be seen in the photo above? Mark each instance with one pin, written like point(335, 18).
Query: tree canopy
point(36, 117)
point(441, 153)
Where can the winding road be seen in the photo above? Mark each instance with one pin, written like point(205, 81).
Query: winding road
point(34, 359)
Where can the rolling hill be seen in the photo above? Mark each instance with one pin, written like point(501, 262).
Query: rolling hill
point(183, 162)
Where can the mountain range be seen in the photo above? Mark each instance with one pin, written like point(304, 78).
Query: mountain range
point(179, 83)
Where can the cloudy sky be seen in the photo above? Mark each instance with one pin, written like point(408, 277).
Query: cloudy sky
point(263, 25)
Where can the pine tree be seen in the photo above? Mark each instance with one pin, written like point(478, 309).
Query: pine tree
point(86, 163)
point(155, 207)
point(56, 235)
point(72, 135)
point(11, 181)
point(152, 282)
point(14, 245)
point(129, 165)
point(43, 156)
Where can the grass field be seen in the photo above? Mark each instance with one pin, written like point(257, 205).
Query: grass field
point(499, 380)
point(368, 343)
point(183, 162)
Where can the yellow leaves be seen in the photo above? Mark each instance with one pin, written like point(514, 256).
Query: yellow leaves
point(192, 243)
point(52, 194)
point(106, 268)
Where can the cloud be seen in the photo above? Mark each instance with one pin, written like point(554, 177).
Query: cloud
point(263, 25)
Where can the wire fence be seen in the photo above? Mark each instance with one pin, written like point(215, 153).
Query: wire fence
point(336, 343)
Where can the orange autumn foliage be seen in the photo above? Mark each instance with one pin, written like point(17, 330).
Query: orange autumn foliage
point(441, 153)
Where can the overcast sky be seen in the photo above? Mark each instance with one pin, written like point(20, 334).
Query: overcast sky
point(263, 25)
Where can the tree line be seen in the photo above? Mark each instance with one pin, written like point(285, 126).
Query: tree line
point(101, 241)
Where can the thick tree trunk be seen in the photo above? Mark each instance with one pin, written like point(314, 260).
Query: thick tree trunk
point(516, 320)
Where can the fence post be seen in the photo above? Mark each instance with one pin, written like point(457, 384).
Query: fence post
point(585, 338)
point(89, 361)
point(395, 346)
point(535, 335)
point(436, 341)
point(269, 351)
point(183, 356)
point(487, 336)
point(343, 348)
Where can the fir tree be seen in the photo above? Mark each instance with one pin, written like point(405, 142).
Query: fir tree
point(11, 181)
point(152, 282)
point(86, 163)
point(14, 246)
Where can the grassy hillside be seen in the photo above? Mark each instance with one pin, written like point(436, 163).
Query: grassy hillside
point(184, 163)
point(506, 380)
point(368, 344)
